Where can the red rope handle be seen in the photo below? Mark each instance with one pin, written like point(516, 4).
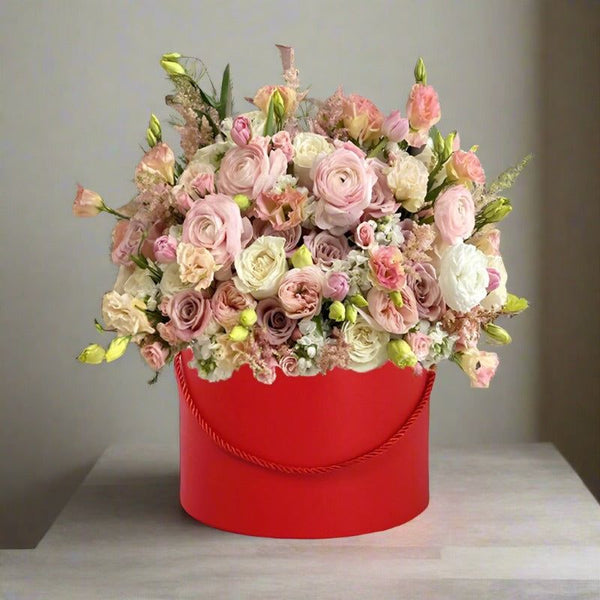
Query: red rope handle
point(292, 469)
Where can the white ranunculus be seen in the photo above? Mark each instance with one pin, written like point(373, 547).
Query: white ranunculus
point(407, 178)
point(367, 345)
point(261, 266)
point(211, 155)
point(171, 282)
point(463, 276)
point(139, 284)
point(496, 299)
point(257, 123)
point(125, 314)
point(307, 147)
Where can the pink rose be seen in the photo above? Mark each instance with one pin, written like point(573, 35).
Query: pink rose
point(155, 355)
point(241, 130)
point(395, 127)
point(454, 214)
point(127, 237)
point(284, 210)
point(325, 248)
point(278, 327)
point(190, 313)
point(386, 268)
point(423, 281)
point(300, 292)
point(383, 201)
point(361, 118)
point(228, 302)
point(291, 236)
point(183, 201)
point(419, 343)
point(364, 235)
point(423, 111)
point(466, 165)
point(250, 169)
point(283, 141)
point(342, 183)
point(87, 203)
point(336, 286)
point(165, 249)
point(215, 223)
point(289, 365)
point(157, 166)
point(479, 366)
point(387, 316)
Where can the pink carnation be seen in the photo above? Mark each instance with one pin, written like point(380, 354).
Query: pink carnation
point(190, 313)
point(387, 316)
point(300, 292)
point(283, 141)
point(228, 302)
point(387, 272)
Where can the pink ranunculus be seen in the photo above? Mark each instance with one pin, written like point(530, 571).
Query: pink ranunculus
point(395, 127)
point(190, 313)
point(127, 237)
point(336, 286)
point(278, 327)
point(215, 223)
point(157, 166)
point(250, 169)
point(228, 302)
point(300, 292)
point(87, 203)
point(466, 165)
point(241, 130)
point(386, 268)
point(343, 184)
point(387, 316)
point(203, 184)
point(383, 201)
point(283, 141)
point(423, 281)
point(165, 249)
point(183, 201)
point(283, 210)
point(454, 214)
point(155, 355)
point(495, 279)
point(419, 343)
point(479, 366)
point(325, 248)
point(291, 236)
point(364, 235)
point(361, 118)
point(423, 111)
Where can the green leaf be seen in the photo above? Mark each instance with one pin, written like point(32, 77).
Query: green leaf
point(208, 99)
point(224, 107)
point(92, 355)
point(117, 348)
point(212, 124)
point(139, 260)
point(270, 122)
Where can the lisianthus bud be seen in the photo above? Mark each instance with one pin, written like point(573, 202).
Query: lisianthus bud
point(242, 201)
point(396, 298)
point(248, 317)
point(92, 355)
point(514, 305)
point(497, 334)
point(420, 72)
point(448, 146)
point(439, 145)
point(239, 333)
point(351, 312)
point(395, 127)
point(302, 257)
point(117, 348)
point(172, 56)
point(87, 203)
point(151, 138)
point(401, 354)
point(359, 301)
point(495, 211)
point(154, 125)
point(278, 104)
point(337, 311)
point(171, 67)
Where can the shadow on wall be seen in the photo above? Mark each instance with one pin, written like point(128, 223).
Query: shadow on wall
point(570, 390)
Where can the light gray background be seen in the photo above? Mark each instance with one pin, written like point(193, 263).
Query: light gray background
point(78, 82)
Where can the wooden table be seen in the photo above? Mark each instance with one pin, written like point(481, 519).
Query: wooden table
point(509, 521)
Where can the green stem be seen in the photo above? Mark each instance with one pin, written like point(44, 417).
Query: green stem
point(113, 212)
point(378, 148)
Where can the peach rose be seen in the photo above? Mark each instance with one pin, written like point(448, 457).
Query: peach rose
point(228, 302)
point(300, 292)
point(388, 316)
point(419, 343)
point(155, 355)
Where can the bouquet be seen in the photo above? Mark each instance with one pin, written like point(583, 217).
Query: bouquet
point(305, 235)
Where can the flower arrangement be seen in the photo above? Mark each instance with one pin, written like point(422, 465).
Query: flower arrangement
point(305, 235)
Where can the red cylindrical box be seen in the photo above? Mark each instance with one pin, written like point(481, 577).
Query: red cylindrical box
point(306, 457)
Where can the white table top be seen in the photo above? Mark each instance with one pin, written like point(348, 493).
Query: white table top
point(508, 521)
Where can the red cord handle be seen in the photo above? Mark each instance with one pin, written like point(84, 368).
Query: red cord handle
point(292, 469)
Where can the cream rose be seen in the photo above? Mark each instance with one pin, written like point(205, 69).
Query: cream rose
point(261, 266)
point(196, 265)
point(497, 298)
point(171, 282)
point(307, 147)
point(125, 314)
point(367, 346)
point(140, 285)
point(407, 178)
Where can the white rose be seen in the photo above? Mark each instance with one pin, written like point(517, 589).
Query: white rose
point(497, 298)
point(367, 345)
point(463, 276)
point(407, 178)
point(261, 266)
point(257, 124)
point(211, 155)
point(125, 314)
point(171, 282)
point(307, 147)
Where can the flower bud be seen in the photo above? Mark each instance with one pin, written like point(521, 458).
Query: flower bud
point(439, 144)
point(92, 355)
point(155, 125)
point(171, 56)
point(359, 301)
point(420, 72)
point(351, 313)
point(248, 317)
point(400, 353)
point(278, 104)
point(497, 334)
point(337, 311)
point(396, 298)
point(395, 127)
point(117, 348)
point(302, 257)
point(172, 68)
point(311, 351)
point(239, 333)
point(514, 305)
point(87, 203)
point(151, 138)
point(495, 211)
point(242, 201)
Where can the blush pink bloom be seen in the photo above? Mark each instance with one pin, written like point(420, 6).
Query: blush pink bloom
point(278, 327)
point(289, 365)
point(336, 286)
point(283, 141)
point(155, 355)
point(126, 240)
point(291, 236)
point(383, 201)
point(190, 313)
point(361, 118)
point(423, 281)
point(466, 165)
point(479, 366)
point(87, 203)
point(300, 292)
point(468, 335)
point(215, 223)
point(395, 127)
point(454, 214)
point(387, 316)
point(364, 235)
point(495, 279)
point(157, 166)
point(386, 268)
point(228, 302)
point(183, 201)
point(165, 249)
point(343, 183)
point(284, 210)
point(419, 343)
point(241, 130)
point(423, 112)
point(325, 248)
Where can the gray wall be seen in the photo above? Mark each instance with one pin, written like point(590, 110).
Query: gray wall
point(79, 80)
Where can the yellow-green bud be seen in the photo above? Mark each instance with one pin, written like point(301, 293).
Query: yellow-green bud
point(151, 138)
point(278, 104)
point(420, 72)
point(439, 145)
point(92, 355)
point(117, 348)
point(359, 301)
point(242, 201)
point(515, 305)
point(496, 210)
point(171, 56)
point(448, 143)
point(337, 311)
point(302, 257)
point(239, 333)
point(248, 317)
point(497, 334)
point(155, 125)
point(400, 353)
point(172, 68)
point(351, 313)
point(396, 298)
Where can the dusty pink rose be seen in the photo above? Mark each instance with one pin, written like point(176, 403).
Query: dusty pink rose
point(395, 127)
point(215, 223)
point(419, 343)
point(364, 235)
point(228, 302)
point(325, 248)
point(300, 292)
point(157, 166)
point(387, 316)
point(165, 249)
point(288, 95)
point(454, 214)
point(87, 203)
point(423, 281)
point(343, 184)
point(289, 365)
point(241, 130)
point(336, 286)
point(479, 366)
point(423, 111)
point(250, 169)
point(466, 165)
point(167, 332)
point(386, 268)
point(383, 201)
point(284, 210)
point(361, 118)
point(127, 237)
point(495, 279)
point(190, 313)
point(283, 141)
point(155, 355)
point(291, 236)
point(277, 325)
